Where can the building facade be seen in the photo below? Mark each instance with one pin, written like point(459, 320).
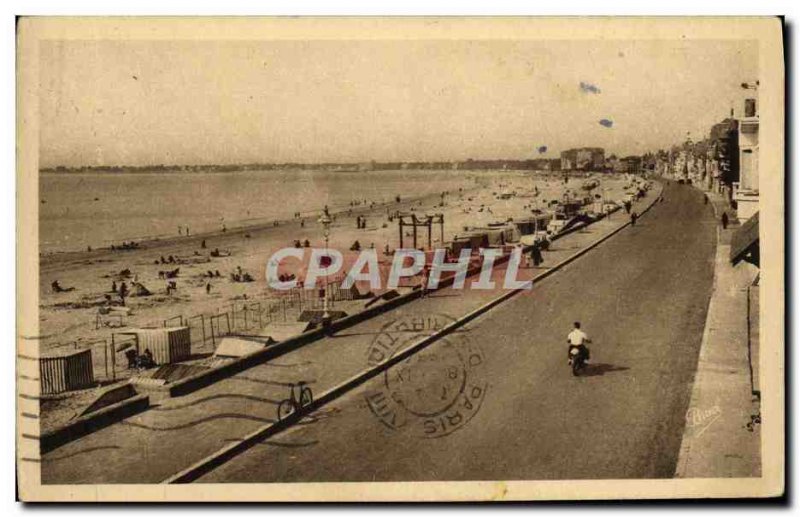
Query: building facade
point(745, 191)
point(583, 159)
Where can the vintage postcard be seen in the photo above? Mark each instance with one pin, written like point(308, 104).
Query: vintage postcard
point(400, 259)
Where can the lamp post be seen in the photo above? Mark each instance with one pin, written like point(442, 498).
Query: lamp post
point(325, 221)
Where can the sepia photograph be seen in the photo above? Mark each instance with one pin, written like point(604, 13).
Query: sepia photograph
point(399, 259)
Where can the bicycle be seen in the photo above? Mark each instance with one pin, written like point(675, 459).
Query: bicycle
point(294, 404)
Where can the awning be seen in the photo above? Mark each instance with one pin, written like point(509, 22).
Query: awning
point(744, 242)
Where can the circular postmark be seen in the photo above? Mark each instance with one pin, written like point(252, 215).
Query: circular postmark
point(433, 391)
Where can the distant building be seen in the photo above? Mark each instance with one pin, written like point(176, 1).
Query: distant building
point(631, 164)
point(583, 159)
point(724, 154)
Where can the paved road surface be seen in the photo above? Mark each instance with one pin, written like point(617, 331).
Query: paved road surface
point(642, 297)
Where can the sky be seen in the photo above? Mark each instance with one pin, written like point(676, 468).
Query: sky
point(204, 102)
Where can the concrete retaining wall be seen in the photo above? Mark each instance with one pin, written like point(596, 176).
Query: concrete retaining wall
point(92, 422)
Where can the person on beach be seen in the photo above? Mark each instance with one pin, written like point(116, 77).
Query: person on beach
point(208, 288)
point(426, 274)
point(536, 255)
point(130, 355)
point(146, 359)
point(123, 292)
point(203, 244)
point(113, 286)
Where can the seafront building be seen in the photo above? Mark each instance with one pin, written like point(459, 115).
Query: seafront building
point(745, 191)
point(725, 162)
point(583, 159)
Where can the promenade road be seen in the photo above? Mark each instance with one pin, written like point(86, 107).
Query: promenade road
point(642, 296)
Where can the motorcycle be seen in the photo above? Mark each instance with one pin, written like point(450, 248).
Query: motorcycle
point(578, 355)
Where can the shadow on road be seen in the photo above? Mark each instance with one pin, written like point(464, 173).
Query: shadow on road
point(594, 370)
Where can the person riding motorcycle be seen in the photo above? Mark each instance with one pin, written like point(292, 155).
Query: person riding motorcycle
point(577, 339)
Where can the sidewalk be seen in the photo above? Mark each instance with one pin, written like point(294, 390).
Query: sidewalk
point(151, 446)
point(716, 440)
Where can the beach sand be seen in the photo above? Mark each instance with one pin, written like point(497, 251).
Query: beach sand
point(68, 319)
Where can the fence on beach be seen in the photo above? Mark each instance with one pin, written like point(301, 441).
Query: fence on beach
point(207, 328)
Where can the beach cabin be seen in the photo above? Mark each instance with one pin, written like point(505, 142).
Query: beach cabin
point(534, 224)
point(499, 234)
point(66, 372)
point(167, 344)
point(472, 239)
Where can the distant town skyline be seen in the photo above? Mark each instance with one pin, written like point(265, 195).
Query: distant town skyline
point(139, 103)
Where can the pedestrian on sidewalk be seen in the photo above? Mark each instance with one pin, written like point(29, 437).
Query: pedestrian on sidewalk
point(634, 216)
point(705, 199)
point(724, 220)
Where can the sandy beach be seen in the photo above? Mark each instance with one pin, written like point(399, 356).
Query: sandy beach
point(68, 320)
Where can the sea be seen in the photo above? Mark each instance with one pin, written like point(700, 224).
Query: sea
point(78, 210)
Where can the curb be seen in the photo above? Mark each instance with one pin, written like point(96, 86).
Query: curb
point(212, 461)
point(684, 451)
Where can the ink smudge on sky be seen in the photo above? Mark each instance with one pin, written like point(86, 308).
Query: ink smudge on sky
point(589, 88)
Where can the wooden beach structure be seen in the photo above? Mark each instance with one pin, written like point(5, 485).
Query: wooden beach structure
point(66, 372)
point(405, 220)
point(167, 344)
